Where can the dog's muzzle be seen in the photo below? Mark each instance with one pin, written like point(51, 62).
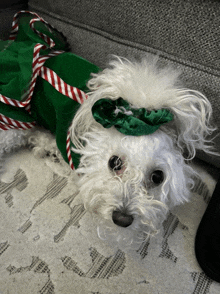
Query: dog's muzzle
point(122, 219)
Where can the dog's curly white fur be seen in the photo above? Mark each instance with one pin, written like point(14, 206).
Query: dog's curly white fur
point(130, 182)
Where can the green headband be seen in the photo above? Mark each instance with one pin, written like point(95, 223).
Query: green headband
point(128, 120)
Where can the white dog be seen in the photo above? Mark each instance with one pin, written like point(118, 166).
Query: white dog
point(129, 181)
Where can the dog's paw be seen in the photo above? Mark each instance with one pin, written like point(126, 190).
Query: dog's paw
point(43, 144)
point(60, 167)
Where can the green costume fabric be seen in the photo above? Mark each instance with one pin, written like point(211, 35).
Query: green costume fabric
point(49, 108)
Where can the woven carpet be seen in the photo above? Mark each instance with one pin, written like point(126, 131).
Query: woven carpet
point(49, 244)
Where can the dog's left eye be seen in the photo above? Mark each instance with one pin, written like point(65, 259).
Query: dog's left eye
point(157, 177)
point(115, 163)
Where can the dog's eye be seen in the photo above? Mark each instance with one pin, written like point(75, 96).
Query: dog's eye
point(157, 177)
point(115, 163)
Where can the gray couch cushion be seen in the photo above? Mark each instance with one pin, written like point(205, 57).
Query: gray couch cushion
point(184, 29)
point(184, 33)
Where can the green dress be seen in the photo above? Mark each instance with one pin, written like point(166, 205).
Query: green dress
point(48, 106)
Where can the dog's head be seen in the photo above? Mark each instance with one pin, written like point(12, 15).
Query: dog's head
point(130, 181)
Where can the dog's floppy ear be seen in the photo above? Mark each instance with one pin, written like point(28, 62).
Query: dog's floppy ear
point(192, 113)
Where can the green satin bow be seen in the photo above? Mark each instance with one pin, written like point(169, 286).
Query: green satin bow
point(128, 120)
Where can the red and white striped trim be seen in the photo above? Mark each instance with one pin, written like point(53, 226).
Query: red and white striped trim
point(38, 62)
point(72, 92)
point(15, 24)
point(7, 123)
point(10, 101)
point(44, 37)
point(68, 150)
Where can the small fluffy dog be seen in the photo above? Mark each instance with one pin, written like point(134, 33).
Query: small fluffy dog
point(129, 181)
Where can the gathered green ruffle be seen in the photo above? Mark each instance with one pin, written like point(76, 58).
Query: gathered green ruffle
point(129, 120)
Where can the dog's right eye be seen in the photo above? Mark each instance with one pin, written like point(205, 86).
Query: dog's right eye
point(157, 177)
point(115, 163)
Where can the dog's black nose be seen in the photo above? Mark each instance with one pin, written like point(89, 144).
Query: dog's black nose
point(122, 219)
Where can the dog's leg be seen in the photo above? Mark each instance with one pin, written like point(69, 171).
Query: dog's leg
point(44, 145)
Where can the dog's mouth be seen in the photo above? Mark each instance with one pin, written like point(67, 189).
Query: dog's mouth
point(123, 235)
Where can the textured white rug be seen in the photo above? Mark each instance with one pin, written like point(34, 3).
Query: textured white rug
point(49, 244)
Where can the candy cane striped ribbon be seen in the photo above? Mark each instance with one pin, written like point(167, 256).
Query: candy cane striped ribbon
point(7, 123)
point(15, 25)
point(72, 92)
point(68, 150)
point(38, 62)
